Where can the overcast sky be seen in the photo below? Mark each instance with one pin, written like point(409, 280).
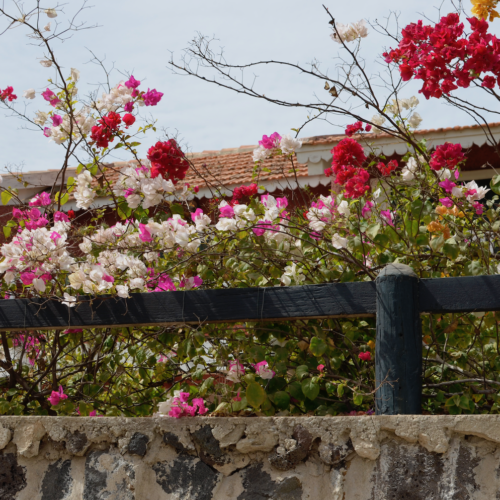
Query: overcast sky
point(137, 37)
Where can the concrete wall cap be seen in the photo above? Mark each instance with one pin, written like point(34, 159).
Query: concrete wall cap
point(397, 269)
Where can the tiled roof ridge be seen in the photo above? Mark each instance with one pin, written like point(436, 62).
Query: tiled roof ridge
point(322, 139)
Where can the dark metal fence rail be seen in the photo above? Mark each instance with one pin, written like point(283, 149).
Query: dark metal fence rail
point(397, 298)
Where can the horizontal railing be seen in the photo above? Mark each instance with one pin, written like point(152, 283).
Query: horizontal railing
point(397, 298)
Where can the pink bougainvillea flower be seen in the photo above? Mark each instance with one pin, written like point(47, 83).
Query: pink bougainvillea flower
point(132, 83)
point(478, 207)
point(200, 404)
point(40, 200)
point(165, 284)
point(55, 236)
point(47, 131)
point(129, 107)
point(321, 368)
point(189, 283)
point(108, 278)
point(56, 396)
point(447, 185)
point(387, 216)
point(366, 211)
point(57, 120)
point(447, 202)
point(281, 202)
point(270, 142)
point(49, 96)
point(144, 235)
point(152, 97)
point(237, 397)
point(27, 277)
point(261, 228)
point(61, 217)
point(227, 211)
point(263, 371)
point(183, 397)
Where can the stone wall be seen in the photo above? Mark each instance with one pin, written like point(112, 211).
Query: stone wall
point(279, 458)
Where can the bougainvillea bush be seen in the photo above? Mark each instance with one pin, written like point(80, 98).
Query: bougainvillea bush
point(415, 211)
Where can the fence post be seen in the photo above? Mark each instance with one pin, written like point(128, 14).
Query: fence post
point(398, 351)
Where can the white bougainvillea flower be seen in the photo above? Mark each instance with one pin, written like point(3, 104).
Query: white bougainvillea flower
point(69, 300)
point(46, 63)
point(29, 94)
point(75, 74)
point(338, 242)
point(51, 13)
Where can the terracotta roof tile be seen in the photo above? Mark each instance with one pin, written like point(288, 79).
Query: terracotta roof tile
point(327, 139)
point(227, 169)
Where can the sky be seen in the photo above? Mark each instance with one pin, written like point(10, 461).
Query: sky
point(140, 38)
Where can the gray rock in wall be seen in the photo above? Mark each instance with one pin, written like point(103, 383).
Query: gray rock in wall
point(279, 458)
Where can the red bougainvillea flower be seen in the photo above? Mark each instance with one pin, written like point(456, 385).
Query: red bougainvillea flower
point(350, 130)
point(446, 156)
point(102, 134)
point(347, 163)
point(8, 94)
point(243, 192)
point(386, 170)
point(445, 58)
point(128, 119)
point(168, 160)
point(365, 356)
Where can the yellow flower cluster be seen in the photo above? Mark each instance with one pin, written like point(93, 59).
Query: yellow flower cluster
point(484, 8)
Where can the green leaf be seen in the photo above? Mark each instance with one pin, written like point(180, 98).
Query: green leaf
point(134, 144)
point(437, 243)
point(317, 346)
point(70, 182)
point(473, 268)
point(393, 235)
point(6, 231)
point(79, 169)
point(84, 409)
point(357, 399)
point(373, 230)
point(124, 211)
point(451, 249)
point(301, 371)
point(65, 199)
point(340, 390)
point(209, 382)
point(495, 184)
point(282, 400)
point(6, 196)
point(411, 227)
point(464, 402)
point(175, 208)
point(416, 208)
point(257, 353)
point(422, 240)
point(239, 405)
point(382, 240)
point(310, 389)
point(295, 390)
point(256, 395)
